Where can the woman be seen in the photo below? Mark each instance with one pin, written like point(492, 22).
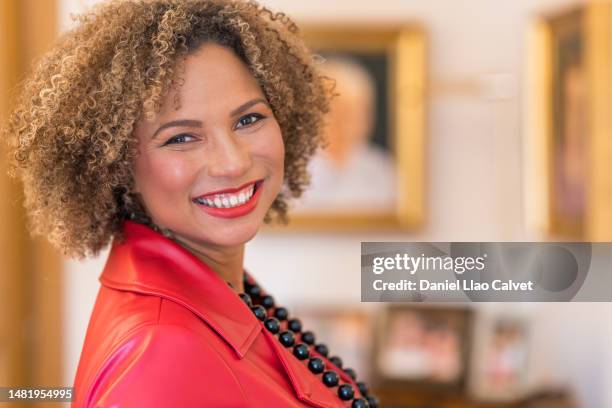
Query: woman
point(174, 129)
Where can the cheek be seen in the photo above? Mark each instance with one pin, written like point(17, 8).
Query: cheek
point(274, 148)
point(162, 177)
point(278, 152)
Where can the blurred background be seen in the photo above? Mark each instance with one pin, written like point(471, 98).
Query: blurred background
point(479, 120)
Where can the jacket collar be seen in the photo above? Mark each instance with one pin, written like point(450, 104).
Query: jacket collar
point(149, 263)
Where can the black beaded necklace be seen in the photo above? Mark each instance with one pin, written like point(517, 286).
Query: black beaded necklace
point(263, 307)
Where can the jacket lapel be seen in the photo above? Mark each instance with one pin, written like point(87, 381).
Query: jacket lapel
point(308, 387)
point(147, 262)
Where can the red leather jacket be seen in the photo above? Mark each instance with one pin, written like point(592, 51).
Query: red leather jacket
point(166, 331)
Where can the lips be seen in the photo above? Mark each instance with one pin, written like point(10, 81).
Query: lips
point(231, 202)
point(230, 190)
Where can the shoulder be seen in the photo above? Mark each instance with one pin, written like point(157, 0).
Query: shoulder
point(164, 365)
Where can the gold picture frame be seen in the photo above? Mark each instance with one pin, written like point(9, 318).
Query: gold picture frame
point(402, 50)
point(568, 124)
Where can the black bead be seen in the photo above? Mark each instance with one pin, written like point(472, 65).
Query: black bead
point(346, 392)
point(308, 337)
point(301, 351)
point(316, 365)
point(372, 401)
point(330, 378)
point(259, 312)
point(245, 279)
point(322, 349)
point(272, 324)
point(351, 373)
point(281, 313)
point(286, 338)
point(294, 325)
point(363, 389)
point(246, 299)
point(360, 403)
point(254, 290)
point(337, 361)
point(267, 301)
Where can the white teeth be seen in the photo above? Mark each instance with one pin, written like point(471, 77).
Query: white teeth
point(229, 200)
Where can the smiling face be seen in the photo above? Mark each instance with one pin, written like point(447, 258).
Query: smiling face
point(210, 170)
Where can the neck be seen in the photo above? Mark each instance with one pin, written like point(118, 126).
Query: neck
point(227, 262)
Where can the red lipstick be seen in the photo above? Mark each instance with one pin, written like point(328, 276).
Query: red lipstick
point(230, 212)
point(230, 190)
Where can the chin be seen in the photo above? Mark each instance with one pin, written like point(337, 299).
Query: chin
point(233, 237)
point(231, 234)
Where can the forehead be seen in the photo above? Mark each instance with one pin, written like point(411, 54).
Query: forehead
point(214, 78)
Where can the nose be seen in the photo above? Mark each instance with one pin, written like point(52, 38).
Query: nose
point(230, 157)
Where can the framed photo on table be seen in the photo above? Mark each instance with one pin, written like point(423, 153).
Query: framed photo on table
point(370, 175)
point(500, 368)
point(568, 123)
point(423, 347)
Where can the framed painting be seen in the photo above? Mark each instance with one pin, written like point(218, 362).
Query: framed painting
point(370, 174)
point(569, 123)
point(423, 347)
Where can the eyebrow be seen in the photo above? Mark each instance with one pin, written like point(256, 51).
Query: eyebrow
point(247, 105)
point(198, 123)
point(180, 122)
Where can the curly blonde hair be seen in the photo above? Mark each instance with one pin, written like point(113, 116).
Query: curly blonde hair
point(70, 136)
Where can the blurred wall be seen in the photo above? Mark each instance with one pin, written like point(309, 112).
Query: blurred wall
point(30, 285)
point(474, 184)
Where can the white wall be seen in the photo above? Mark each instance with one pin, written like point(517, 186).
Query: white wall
point(474, 173)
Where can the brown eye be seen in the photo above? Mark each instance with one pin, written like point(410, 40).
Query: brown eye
point(179, 139)
point(248, 120)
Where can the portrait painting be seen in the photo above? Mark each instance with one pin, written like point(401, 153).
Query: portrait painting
point(369, 173)
point(568, 122)
point(570, 142)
